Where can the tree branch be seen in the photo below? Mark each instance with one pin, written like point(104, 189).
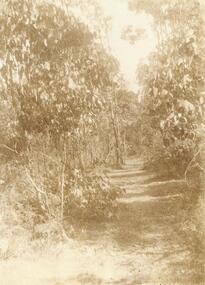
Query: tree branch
point(192, 160)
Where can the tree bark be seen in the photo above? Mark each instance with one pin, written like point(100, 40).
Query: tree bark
point(119, 160)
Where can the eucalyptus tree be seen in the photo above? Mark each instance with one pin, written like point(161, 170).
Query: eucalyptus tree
point(56, 75)
point(172, 81)
point(54, 70)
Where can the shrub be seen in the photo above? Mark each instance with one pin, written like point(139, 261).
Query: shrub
point(90, 197)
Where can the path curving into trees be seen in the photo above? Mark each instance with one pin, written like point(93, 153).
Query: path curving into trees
point(158, 222)
point(101, 150)
point(153, 241)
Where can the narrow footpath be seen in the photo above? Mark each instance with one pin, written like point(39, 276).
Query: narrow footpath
point(157, 226)
point(155, 240)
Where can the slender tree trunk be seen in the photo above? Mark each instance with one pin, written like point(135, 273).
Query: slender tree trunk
point(124, 145)
point(63, 182)
point(119, 160)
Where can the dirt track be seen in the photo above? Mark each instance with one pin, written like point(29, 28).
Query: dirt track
point(156, 240)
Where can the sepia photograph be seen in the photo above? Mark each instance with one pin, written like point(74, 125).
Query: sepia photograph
point(102, 142)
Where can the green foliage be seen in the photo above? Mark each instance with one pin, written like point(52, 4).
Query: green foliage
point(87, 196)
point(53, 68)
point(90, 197)
point(173, 81)
point(57, 81)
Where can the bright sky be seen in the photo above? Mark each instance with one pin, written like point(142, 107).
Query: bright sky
point(129, 55)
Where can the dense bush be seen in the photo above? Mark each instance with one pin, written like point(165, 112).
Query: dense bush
point(56, 85)
point(172, 81)
point(31, 199)
point(90, 197)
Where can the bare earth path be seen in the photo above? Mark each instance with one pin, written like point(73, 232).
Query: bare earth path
point(158, 226)
point(154, 241)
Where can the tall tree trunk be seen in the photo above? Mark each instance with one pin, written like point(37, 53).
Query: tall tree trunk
point(115, 124)
point(124, 145)
point(64, 160)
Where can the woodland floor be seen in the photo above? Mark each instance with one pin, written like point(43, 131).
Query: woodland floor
point(157, 239)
